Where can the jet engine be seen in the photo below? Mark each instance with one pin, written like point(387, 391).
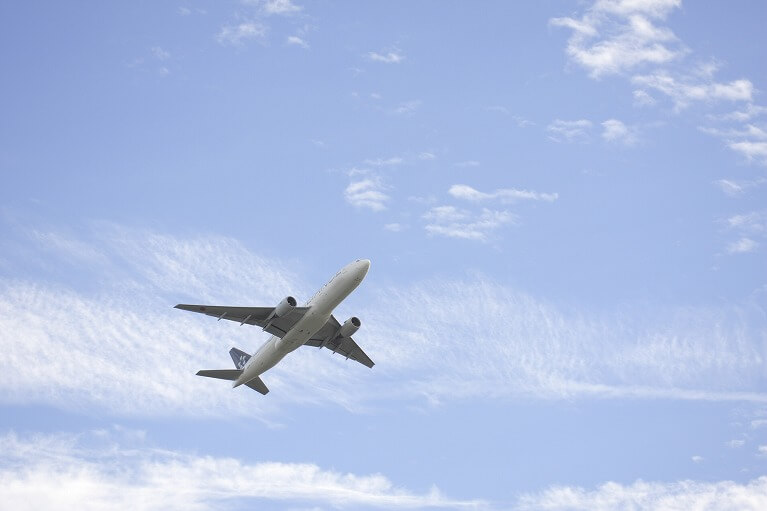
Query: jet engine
point(350, 327)
point(284, 307)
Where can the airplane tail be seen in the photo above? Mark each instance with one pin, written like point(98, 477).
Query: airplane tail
point(240, 358)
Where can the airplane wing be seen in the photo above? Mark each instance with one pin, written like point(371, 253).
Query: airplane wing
point(327, 337)
point(257, 316)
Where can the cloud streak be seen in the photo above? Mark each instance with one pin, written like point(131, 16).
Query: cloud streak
point(69, 472)
point(468, 193)
point(569, 131)
point(390, 57)
point(123, 349)
point(639, 496)
point(367, 193)
point(453, 222)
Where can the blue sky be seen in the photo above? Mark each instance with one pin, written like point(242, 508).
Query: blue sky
point(565, 207)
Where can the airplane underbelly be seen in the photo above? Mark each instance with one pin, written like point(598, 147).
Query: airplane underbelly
point(302, 332)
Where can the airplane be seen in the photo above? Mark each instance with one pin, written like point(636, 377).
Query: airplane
point(291, 327)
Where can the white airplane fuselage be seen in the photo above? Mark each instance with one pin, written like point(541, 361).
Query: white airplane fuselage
point(321, 306)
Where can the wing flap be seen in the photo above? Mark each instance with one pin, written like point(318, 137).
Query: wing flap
point(327, 336)
point(256, 316)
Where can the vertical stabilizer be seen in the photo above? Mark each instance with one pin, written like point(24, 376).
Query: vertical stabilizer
point(239, 357)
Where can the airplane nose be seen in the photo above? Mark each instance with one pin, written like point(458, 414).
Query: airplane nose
point(363, 265)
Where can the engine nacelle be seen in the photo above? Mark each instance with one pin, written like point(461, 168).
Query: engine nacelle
point(285, 307)
point(350, 327)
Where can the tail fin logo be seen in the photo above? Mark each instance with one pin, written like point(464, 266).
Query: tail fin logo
point(242, 361)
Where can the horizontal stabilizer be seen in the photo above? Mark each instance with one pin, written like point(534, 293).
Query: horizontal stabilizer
point(258, 385)
point(231, 375)
point(221, 374)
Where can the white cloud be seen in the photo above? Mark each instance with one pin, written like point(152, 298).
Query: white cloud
point(730, 188)
point(651, 496)
point(237, 34)
point(367, 193)
point(391, 57)
point(532, 350)
point(280, 7)
point(616, 37)
point(754, 222)
point(749, 113)
point(749, 131)
point(627, 37)
point(617, 131)
point(394, 227)
point(95, 472)
point(753, 151)
point(569, 130)
point(742, 246)
point(762, 450)
point(748, 226)
point(750, 140)
point(459, 223)
point(685, 90)
point(735, 444)
point(126, 349)
point(297, 41)
point(427, 156)
point(522, 122)
point(642, 98)
point(407, 107)
point(466, 192)
point(697, 459)
point(737, 188)
point(387, 162)
point(159, 53)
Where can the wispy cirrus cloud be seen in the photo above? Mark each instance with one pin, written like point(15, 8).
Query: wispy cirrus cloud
point(239, 33)
point(294, 40)
point(252, 23)
point(388, 57)
point(277, 7)
point(650, 496)
point(122, 349)
point(748, 226)
point(751, 150)
point(367, 192)
point(453, 222)
point(407, 107)
point(685, 90)
point(466, 192)
point(530, 349)
point(384, 162)
point(616, 131)
point(96, 471)
point(569, 131)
